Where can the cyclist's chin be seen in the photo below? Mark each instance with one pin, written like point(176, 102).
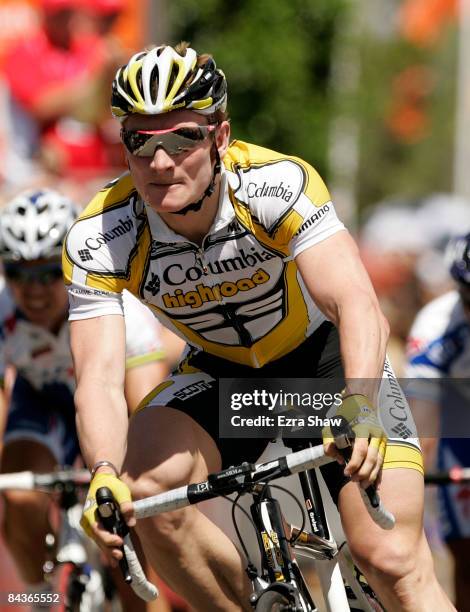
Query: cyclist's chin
point(173, 201)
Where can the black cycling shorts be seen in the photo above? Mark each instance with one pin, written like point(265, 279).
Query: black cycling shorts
point(317, 357)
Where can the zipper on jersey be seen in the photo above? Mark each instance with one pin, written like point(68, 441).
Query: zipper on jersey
point(201, 261)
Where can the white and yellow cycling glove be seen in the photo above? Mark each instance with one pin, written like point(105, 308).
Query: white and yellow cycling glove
point(363, 419)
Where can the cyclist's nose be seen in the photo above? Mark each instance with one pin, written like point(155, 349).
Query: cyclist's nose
point(161, 160)
point(36, 289)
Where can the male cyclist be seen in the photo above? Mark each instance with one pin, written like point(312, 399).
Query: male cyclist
point(239, 251)
point(34, 342)
point(438, 352)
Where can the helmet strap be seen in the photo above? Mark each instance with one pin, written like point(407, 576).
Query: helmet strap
point(195, 206)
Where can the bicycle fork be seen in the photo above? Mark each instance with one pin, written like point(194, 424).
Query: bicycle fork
point(280, 571)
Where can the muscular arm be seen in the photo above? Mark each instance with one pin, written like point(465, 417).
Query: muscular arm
point(98, 349)
point(335, 278)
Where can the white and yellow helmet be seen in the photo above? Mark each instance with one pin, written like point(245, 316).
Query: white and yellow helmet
point(161, 80)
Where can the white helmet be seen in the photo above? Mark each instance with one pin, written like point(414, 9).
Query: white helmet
point(33, 225)
point(164, 79)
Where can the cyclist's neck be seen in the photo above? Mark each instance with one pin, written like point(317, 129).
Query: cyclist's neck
point(195, 225)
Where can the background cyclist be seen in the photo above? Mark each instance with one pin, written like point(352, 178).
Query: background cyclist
point(247, 260)
point(439, 350)
point(34, 351)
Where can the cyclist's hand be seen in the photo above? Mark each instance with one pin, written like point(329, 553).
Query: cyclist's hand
point(370, 442)
point(89, 521)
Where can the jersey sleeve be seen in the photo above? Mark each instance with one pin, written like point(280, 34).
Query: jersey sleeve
point(317, 226)
point(286, 197)
point(143, 338)
point(103, 252)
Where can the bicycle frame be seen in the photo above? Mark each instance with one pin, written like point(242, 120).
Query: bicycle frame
point(280, 566)
point(320, 545)
point(247, 478)
point(334, 563)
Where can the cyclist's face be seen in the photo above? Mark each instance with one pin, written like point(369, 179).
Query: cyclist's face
point(169, 182)
point(39, 292)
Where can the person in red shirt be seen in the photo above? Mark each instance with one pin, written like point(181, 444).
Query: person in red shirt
point(104, 14)
point(54, 79)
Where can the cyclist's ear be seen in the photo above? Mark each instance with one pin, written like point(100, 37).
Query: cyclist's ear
point(222, 137)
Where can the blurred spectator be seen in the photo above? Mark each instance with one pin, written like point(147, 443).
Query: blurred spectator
point(18, 18)
point(55, 79)
point(402, 245)
point(390, 243)
point(440, 217)
point(103, 14)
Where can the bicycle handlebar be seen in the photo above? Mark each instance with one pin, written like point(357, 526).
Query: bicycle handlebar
point(241, 478)
point(30, 481)
point(455, 475)
point(299, 461)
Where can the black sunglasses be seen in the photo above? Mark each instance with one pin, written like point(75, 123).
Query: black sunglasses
point(144, 143)
point(45, 274)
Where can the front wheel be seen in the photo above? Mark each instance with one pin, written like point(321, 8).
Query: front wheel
point(66, 585)
point(80, 588)
point(272, 601)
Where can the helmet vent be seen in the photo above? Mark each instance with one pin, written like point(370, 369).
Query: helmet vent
point(138, 79)
point(154, 84)
point(173, 76)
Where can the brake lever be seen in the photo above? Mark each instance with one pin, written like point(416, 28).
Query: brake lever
point(344, 437)
point(110, 516)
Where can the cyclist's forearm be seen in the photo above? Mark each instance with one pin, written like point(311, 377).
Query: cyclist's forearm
point(363, 334)
point(102, 423)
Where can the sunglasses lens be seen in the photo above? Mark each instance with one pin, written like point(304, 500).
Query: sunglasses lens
point(195, 134)
point(135, 142)
point(144, 144)
point(50, 276)
point(12, 272)
point(44, 274)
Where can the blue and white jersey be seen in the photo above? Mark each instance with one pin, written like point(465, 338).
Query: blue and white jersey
point(439, 341)
point(439, 363)
point(44, 359)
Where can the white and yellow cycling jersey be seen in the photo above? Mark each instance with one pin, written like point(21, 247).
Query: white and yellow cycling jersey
point(239, 294)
